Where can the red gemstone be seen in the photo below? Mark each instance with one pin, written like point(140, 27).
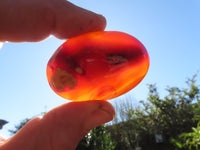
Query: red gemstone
point(97, 66)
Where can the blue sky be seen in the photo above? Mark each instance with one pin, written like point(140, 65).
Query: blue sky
point(170, 30)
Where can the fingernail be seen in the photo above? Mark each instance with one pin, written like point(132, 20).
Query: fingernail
point(102, 20)
point(103, 113)
point(108, 109)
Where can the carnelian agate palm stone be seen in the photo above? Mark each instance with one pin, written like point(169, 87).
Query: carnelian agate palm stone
point(97, 66)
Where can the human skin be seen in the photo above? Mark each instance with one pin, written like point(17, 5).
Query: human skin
point(61, 128)
point(32, 21)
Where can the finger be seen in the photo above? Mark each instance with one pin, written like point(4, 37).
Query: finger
point(72, 20)
point(34, 20)
point(61, 128)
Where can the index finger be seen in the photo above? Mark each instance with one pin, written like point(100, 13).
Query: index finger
point(35, 20)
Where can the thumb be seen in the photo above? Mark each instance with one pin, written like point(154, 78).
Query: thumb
point(61, 128)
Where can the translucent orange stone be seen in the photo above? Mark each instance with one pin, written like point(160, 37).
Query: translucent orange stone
point(97, 66)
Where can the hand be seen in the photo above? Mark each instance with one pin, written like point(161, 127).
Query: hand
point(34, 20)
point(63, 127)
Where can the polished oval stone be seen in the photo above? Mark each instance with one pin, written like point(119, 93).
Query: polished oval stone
point(97, 66)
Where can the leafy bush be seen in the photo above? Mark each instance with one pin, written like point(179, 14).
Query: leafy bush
point(188, 141)
point(98, 139)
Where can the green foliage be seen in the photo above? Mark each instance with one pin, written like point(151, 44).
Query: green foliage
point(170, 116)
point(189, 141)
point(98, 138)
point(173, 114)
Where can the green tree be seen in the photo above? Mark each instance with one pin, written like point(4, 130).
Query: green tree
point(98, 138)
point(123, 130)
point(170, 116)
point(176, 112)
point(188, 141)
